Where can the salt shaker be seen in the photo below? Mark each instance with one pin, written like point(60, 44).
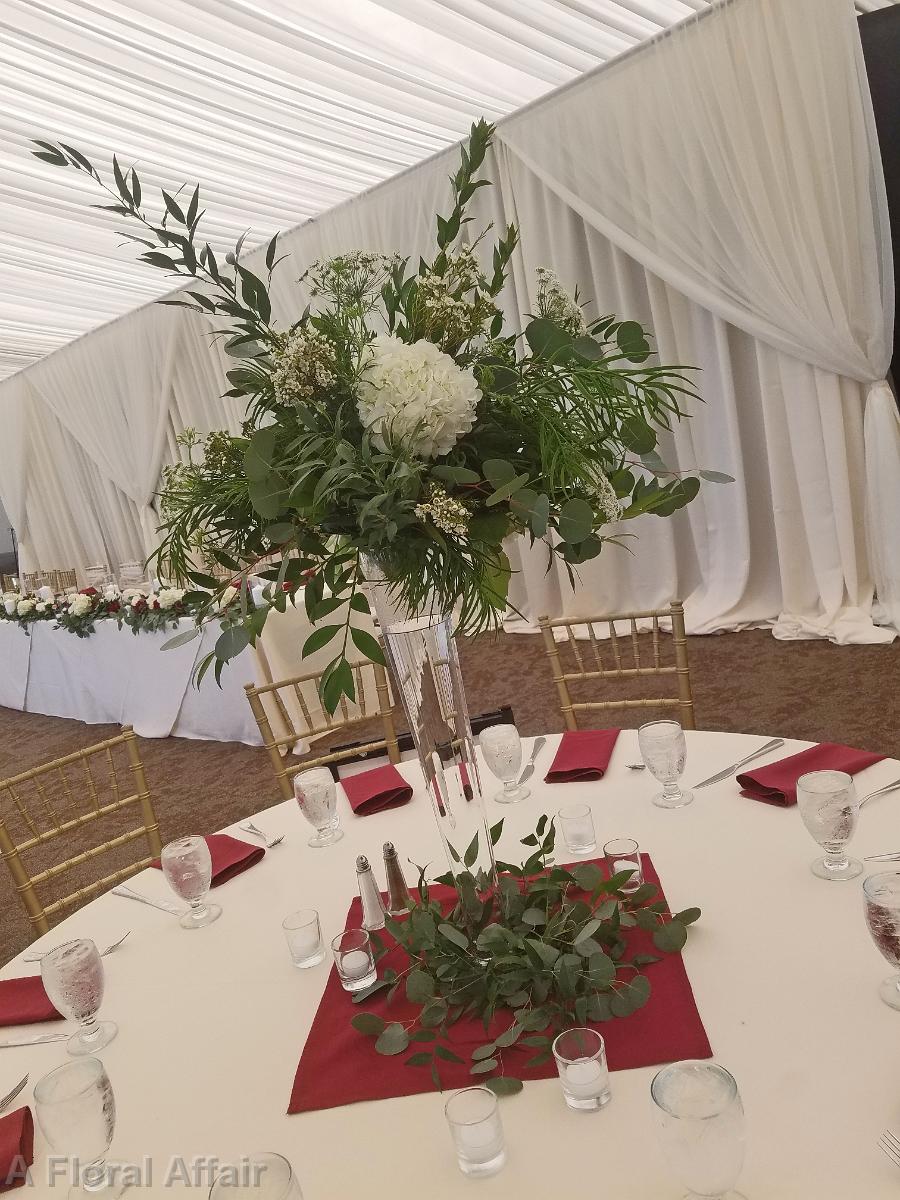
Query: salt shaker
point(399, 899)
point(373, 911)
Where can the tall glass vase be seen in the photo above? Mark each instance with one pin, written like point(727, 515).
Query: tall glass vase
point(423, 656)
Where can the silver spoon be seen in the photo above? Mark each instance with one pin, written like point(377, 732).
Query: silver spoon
point(103, 953)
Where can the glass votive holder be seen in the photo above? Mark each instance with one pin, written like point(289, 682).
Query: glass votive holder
point(477, 1131)
point(624, 854)
point(581, 1061)
point(576, 823)
point(354, 959)
point(303, 934)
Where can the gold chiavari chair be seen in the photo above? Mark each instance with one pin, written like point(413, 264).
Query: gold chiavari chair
point(97, 576)
point(60, 580)
point(71, 800)
point(132, 574)
point(293, 704)
point(32, 580)
point(7, 583)
point(633, 655)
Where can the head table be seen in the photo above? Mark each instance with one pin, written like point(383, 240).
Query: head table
point(212, 1022)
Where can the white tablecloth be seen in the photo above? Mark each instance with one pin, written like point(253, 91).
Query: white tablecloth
point(785, 975)
point(118, 677)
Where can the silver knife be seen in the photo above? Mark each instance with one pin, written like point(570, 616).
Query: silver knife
point(773, 745)
point(163, 905)
point(538, 746)
point(892, 856)
point(36, 1041)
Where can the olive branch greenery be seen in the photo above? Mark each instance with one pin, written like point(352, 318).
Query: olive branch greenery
point(550, 946)
point(564, 440)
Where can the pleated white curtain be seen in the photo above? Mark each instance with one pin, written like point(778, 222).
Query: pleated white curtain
point(737, 161)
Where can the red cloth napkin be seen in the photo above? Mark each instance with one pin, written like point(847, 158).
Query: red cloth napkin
point(376, 790)
point(16, 1148)
point(341, 1066)
point(582, 754)
point(24, 1002)
point(776, 783)
point(229, 856)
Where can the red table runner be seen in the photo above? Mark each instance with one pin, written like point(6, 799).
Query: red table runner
point(341, 1066)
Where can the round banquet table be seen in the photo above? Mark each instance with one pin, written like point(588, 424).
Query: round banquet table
point(785, 975)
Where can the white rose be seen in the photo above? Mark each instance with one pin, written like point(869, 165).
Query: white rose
point(227, 596)
point(41, 606)
point(169, 597)
point(416, 395)
point(111, 593)
point(24, 607)
point(132, 594)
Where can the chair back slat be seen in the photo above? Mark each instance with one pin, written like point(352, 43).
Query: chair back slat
point(288, 703)
point(63, 799)
point(636, 665)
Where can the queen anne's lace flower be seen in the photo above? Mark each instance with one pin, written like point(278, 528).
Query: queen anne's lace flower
point(608, 502)
point(304, 365)
point(555, 303)
point(415, 395)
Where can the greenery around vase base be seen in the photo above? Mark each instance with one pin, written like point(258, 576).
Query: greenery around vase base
point(552, 959)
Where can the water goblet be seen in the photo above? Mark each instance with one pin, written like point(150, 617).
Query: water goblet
point(477, 1131)
point(304, 937)
point(187, 865)
point(502, 750)
point(354, 959)
point(624, 854)
point(881, 895)
point(701, 1127)
point(581, 1062)
point(316, 795)
point(664, 751)
point(259, 1176)
point(829, 807)
point(76, 1110)
point(576, 824)
point(73, 979)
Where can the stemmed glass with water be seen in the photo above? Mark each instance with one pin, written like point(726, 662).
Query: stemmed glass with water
point(881, 895)
point(76, 1110)
point(502, 750)
point(73, 978)
point(664, 752)
point(187, 865)
point(829, 807)
point(317, 797)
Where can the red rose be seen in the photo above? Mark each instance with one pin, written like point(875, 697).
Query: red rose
point(140, 606)
point(89, 591)
point(113, 606)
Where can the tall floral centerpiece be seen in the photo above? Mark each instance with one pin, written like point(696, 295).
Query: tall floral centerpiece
point(397, 432)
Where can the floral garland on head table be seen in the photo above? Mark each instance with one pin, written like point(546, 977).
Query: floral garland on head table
point(141, 611)
point(397, 427)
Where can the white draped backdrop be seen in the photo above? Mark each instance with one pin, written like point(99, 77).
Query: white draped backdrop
point(722, 185)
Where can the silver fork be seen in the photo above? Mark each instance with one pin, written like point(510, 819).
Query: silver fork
point(10, 1096)
point(890, 1146)
point(882, 791)
point(251, 828)
point(103, 953)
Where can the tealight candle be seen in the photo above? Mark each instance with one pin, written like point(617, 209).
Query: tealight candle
point(624, 854)
point(477, 1131)
point(356, 964)
point(304, 937)
point(354, 960)
point(581, 1062)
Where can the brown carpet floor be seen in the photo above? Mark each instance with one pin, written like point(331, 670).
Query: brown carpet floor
point(743, 682)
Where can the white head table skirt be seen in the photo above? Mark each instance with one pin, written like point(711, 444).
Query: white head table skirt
point(118, 677)
point(212, 1022)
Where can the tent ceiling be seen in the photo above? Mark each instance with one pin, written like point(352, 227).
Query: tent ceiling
point(280, 109)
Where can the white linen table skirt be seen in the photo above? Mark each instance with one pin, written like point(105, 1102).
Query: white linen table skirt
point(118, 677)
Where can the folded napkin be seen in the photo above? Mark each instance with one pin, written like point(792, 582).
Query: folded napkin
point(16, 1148)
point(376, 790)
point(24, 1002)
point(229, 856)
point(582, 754)
point(776, 783)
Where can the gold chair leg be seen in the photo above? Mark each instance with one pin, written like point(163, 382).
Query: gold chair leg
point(565, 699)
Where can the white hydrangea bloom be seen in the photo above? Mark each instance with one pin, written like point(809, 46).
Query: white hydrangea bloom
point(41, 606)
point(169, 597)
point(24, 607)
point(80, 605)
point(416, 395)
